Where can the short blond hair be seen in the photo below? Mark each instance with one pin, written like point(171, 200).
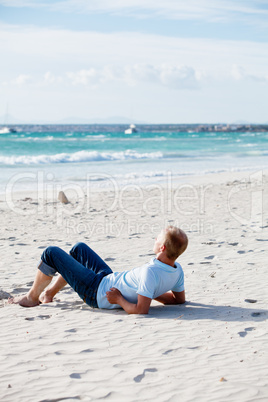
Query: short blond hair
point(175, 241)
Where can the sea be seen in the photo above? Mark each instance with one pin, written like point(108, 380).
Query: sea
point(104, 156)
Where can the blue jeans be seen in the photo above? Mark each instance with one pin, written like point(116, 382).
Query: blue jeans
point(83, 269)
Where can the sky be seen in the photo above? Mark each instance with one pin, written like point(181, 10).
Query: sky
point(152, 61)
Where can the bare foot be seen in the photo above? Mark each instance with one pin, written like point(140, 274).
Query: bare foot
point(24, 301)
point(45, 297)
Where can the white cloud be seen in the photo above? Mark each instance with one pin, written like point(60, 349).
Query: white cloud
point(94, 58)
point(61, 50)
point(101, 60)
point(239, 73)
point(84, 77)
point(179, 77)
point(175, 77)
point(50, 78)
point(21, 79)
point(218, 10)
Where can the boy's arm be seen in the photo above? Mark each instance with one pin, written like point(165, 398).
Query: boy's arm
point(172, 298)
point(114, 296)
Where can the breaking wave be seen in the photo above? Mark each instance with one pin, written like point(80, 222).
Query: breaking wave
point(78, 157)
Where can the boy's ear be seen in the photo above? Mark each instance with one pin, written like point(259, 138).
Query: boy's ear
point(163, 247)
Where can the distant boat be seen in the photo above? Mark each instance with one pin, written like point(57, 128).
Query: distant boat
point(7, 130)
point(132, 129)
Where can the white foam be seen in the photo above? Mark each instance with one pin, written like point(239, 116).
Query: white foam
point(94, 137)
point(78, 157)
point(67, 138)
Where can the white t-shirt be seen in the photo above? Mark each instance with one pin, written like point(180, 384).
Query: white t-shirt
point(150, 280)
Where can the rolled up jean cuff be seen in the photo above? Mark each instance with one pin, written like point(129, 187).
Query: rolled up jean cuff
point(46, 269)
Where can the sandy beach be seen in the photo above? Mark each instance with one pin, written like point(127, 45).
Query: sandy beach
point(213, 348)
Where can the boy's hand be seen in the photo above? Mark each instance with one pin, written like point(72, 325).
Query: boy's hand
point(113, 296)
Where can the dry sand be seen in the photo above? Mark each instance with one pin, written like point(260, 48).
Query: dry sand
point(213, 348)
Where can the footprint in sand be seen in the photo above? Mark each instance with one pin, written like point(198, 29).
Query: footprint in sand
point(168, 351)
point(75, 375)
point(146, 255)
point(20, 290)
point(244, 333)
point(250, 301)
point(39, 317)
point(140, 377)
point(210, 257)
point(4, 295)
point(109, 259)
point(255, 314)
point(86, 351)
point(78, 398)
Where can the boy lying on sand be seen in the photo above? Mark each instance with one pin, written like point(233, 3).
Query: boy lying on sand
point(100, 287)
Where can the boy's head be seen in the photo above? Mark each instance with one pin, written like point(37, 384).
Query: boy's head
point(174, 240)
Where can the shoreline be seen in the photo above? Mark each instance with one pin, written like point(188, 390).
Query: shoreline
point(49, 189)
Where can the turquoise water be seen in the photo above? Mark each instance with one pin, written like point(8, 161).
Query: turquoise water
point(70, 155)
point(49, 147)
